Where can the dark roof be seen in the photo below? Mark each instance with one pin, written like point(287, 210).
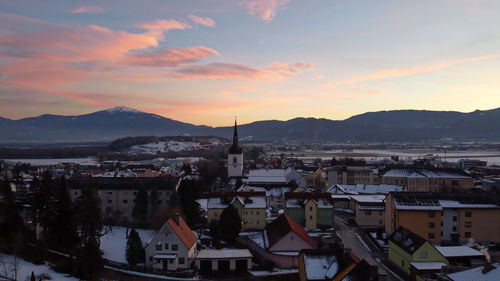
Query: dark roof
point(131, 183)
point(407, 240)
point(463, 198)
point(235, 147)
point(230, 194)
point(281, 226)
point(363, 271)
point(308, 195)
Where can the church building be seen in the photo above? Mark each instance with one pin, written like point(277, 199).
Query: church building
point(235, 157)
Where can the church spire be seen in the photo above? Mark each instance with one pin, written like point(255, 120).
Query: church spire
point(235, 147)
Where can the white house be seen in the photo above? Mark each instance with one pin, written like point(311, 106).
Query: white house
point(173, 247)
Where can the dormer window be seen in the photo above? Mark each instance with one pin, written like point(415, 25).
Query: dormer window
point(235, 160)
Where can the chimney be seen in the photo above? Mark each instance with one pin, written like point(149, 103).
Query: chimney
point(487, 267)
point(176, 218)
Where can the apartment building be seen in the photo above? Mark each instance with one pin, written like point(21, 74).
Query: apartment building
point(251, 207)
point(350, 175)
point(369, 210)
point(310, 209)
point(437, 217)
point(429, 180)
point(117, 194)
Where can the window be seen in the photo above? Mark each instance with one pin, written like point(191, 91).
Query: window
point(258, 222)
point(171, 261)
point(454, 229)
point(251, 212)
point(215, 213)
point(125, 201)
point(468, 214)
point(431, 235)
point(181, 261)
point(432, 215)
point(432, 225)
point(257, 212)
point(454, 218)
point(110, 201)
point(423, 255)
point(311, 217)
point(166, 234)
point(158, 247)
point(235, 160)
point(151, 258)
point(166, 246)
point(380, 222)
point(110, 192)
point(76, 192)
point(468, 235)
point(310, 208)
point(175, 247)
point(380, 213)
point(468, 224)
point(368, 213)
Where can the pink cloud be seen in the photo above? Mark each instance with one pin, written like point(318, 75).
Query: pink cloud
point(85, 9)
point(202, 20)
point(264, 9)
point(289, 69)
point(221, 70)
point(158, 27)
point(170, 56)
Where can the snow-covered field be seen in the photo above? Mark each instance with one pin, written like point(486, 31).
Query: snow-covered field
point(25, 268)
point(172, 146)
point(114, 243)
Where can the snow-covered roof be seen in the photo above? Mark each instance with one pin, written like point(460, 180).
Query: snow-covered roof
point(424, 173)
point(249, 202)
point(458, 251)
point(276, 176)
point(372, 198)
point(363, 188)
point(428, 265)
point(456, 204)
point(320, 267)
point(224, 254)
point(371, 207)
point(438, 205)
point(477, 274)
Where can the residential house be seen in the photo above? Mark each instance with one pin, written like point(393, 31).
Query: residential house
point(173, 247)
point(251, 207)
point(310, 209)
point(455, 217)
point(280, 242)
point(274, 193)
point(429, 180)
point(223, 261)
point(369, 210)
point(407, 249)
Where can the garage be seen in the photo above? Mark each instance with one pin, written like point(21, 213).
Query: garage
point(241, 265)
point(206, 266)
point(223, 266)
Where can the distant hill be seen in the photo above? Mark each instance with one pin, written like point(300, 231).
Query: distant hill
point(390, 126)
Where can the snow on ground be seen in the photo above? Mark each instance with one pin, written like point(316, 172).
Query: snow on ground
point(114, 243)
point(276, 271)
point(25, 268)
point(174, 146)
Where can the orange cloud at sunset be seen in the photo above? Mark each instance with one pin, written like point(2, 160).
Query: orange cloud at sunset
point(264, 9)
point(206, 21)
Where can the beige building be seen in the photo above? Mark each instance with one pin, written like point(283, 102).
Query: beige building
point(349, 175)
point(369, 210)
point(251, 207)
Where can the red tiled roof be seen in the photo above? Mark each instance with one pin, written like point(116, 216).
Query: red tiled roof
point(183, 231)
point(281, 226)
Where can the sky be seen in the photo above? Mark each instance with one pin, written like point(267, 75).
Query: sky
point(204, 62)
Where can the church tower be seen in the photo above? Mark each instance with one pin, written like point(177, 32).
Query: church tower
point(235, 156)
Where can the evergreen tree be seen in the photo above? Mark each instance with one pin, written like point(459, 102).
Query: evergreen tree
point(88, 215)
point(140, 210)
point(229, 224)
point(89, 263)
point(32, 278)
point(153, 200)
point(12, 227)
point(188, 192)
point(44, 202)
point(135, 252)
point(64, 232)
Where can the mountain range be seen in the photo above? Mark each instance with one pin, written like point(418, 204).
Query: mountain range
point(381, 126)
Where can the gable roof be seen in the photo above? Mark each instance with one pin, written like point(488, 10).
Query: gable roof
point(478, 274)
point(281, 226)
point(407, 240)
point(183, 231)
